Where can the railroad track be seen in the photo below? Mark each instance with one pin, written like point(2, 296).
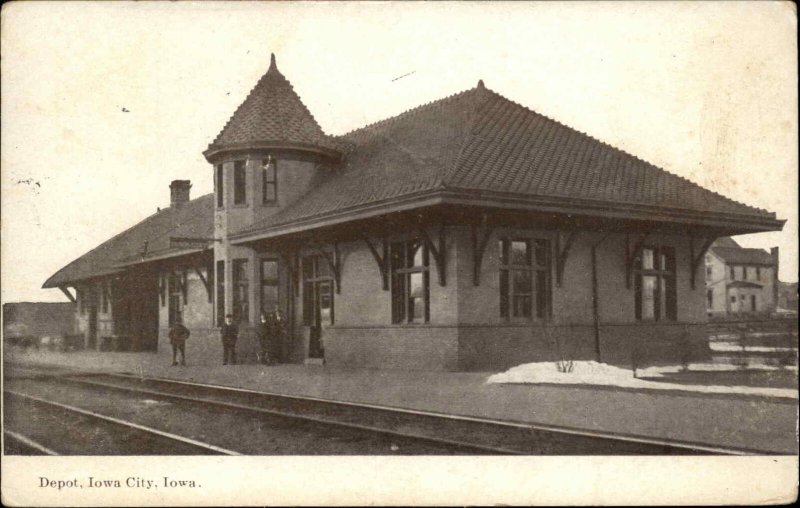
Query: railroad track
point(459, 432)
point(107, 431)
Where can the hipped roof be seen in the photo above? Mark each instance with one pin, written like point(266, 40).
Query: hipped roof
point(192, 219)
point(478, 144)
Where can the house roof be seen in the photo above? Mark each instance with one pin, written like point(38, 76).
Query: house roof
point(479, 144)
point(742, 256)
point(726, 241)
point(272, 115)
point(192, 219)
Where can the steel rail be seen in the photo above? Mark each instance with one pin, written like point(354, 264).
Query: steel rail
point(124, 423)
point(645, 442)
point(30, 443)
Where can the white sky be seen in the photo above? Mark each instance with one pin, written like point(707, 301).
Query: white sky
point(704, 90)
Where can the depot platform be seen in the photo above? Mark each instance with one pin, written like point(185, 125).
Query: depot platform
point(751, 422)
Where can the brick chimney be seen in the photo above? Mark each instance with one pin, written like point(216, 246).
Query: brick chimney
point(179, 192)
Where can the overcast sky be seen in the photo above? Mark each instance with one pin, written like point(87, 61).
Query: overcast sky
point(103, 104)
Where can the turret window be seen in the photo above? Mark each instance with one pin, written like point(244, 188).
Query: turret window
point(239, 183)
point(269, 181)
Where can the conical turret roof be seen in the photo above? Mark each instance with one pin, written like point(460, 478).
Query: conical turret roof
point(273, 116)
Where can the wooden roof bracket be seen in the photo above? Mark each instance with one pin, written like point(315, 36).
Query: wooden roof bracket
point(381, 259)
point(481, 233)
point(209, 289)
point(696, 260)
point(631, 255)
point(439, 252)
point(65, 290)
point(562, 254)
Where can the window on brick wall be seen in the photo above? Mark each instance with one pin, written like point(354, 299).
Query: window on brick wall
point(710, 299)
point(410, 282)
point(239, 183)
point(241, 290)
point(219, 186)
point(269, 285)
point(656, 296)
point(318, 300)
point(269, 181)
point(525, 289)
point(105, 291)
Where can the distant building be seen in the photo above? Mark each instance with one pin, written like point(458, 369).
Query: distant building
point(740, 281)
point(467, 233)
point(787, 296)
point(38, 319)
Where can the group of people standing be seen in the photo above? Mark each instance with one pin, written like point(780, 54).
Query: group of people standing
point(271, 330)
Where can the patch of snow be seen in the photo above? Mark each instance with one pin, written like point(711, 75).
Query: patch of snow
point(732, 347)
point(601, 374)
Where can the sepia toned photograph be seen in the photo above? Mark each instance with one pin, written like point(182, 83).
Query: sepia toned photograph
point(536, 243)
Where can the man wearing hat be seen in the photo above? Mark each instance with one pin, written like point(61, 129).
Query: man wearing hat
point(229, 332)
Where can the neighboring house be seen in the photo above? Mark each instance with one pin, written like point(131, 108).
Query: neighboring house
point(740, 281)
point(787, 296)
point(467, 233)
point(38, 319)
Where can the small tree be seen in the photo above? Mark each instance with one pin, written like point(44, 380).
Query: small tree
point(565, 361)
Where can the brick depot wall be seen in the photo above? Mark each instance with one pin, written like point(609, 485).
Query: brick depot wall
point(393, 347)
point(363, 334)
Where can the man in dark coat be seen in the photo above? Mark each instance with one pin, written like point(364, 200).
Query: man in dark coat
point(177, 337)
point(270, 336)
point(229, 333)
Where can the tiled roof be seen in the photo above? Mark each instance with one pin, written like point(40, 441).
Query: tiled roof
point(192, 219)
point(478, 141)
point(272, 113)
point(739, 255)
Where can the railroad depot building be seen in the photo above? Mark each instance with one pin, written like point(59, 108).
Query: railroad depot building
point(468, 233)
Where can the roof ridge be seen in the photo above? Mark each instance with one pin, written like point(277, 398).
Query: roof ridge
point(625, 153)
point(406, 113)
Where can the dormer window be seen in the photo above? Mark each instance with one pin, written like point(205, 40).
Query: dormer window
point(269, 181)
point(239, 183)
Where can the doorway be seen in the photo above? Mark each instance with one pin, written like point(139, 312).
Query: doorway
point(318, 312)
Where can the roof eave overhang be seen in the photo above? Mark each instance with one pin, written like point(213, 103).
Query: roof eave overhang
point(121, 267)
point(739, 224)
point(216, 153)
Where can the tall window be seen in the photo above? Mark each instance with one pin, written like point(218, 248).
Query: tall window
point(241, 289)
point(269, 181)
point(317, 292)
point(656, 297)
point(753, 306)
point(104, 297)
point(219, 186)
point(710, 299)
point(175, 299)
point(269, 285)
point(525, 278)
point(239, 183)
point(220, 292)
point(410, 282)
point(733, 273)
point(758, 273)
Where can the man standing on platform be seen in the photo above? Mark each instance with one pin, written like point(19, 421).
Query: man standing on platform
point(229, 332)
point(177, 337)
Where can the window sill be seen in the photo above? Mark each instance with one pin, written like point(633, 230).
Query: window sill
point(240, 205)
point(271, 204)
